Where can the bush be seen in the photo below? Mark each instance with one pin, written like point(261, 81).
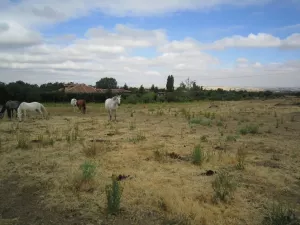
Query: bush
point(148, 97)
point(249, 129)
point(113, 195)
point(132, 99)
point(223, 186)
point(198, 156)
point(280, 215)
point(88, 170)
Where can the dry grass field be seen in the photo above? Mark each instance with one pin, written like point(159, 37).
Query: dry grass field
point(51, 171)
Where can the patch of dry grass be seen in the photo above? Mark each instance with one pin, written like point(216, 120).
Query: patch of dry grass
point(141, 144)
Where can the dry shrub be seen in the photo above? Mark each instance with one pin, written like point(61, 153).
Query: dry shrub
point(90, 151)
point(224, 186)
point(240, 157)
point(22, 141)
point(279, 214)
point(85, 181)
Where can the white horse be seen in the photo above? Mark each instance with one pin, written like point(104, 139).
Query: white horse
point(30, 106)
point(74, 103)
point(111, 104)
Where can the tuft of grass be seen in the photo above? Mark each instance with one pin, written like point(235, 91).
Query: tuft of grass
point(201, 121)
point(185, 113)
point(279, 214)
point(45, 141)
point(139, 137)
point(197, 156)
point(224, 186)
point(76, 131)
point(113, 195)
point(204, 138)
point(22, 141)
point(132, 125)
point(158, 155)
point(292, 118)
point(85, 180)
point(241, 156)
point(160, 112)
point(249, 129)
point(220, 123)
point(90, 151)
point(231, 138)
point(277, 123)
point(88, 170)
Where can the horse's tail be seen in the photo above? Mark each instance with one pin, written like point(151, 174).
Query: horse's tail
point(2, 112)
point(9, 111)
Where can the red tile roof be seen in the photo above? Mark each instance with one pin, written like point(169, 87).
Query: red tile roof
point(83, 88)
point(79, 88)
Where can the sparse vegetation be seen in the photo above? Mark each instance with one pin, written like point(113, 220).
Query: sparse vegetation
point(198, 156)
point(88, 170)
point(22, 140)
point(240, 157)
point(204, 138)
point(113, 195)
point(138, 137)
point(90, 151)
point(249, 129)
point(202, 121)
point(231, 138)
point(279, 214)
point(224, 186)
point(152, 156)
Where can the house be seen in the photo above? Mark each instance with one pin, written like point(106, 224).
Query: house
point(114, 91)
point(78, 88)
point(83, 88)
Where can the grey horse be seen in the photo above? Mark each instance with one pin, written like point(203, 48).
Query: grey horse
point(10, 106)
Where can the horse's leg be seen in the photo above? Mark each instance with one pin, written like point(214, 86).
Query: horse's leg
point(9, 114)
point(24, 114)
point(115, 115)
point(109, 111)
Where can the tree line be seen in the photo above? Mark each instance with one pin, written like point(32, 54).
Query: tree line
point(187, 91)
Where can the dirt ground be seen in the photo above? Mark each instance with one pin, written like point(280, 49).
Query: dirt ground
point(40, 163)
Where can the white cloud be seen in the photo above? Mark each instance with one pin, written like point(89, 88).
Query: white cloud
point(47, 12)
point(294, 27)
point(14, 35)
point(124, 36)
point(242, 60)
point(261, 40)
point(103, 53)
point(109, 53)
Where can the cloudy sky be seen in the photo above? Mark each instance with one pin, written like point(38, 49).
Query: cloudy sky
point(253, 43)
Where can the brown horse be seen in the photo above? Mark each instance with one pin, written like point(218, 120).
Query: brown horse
point(81, 104)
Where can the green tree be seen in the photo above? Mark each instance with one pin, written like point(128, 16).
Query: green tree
point(107, 83)
point(152, 88)
point(141, 89)
point(170, 83)
point(125, 87)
